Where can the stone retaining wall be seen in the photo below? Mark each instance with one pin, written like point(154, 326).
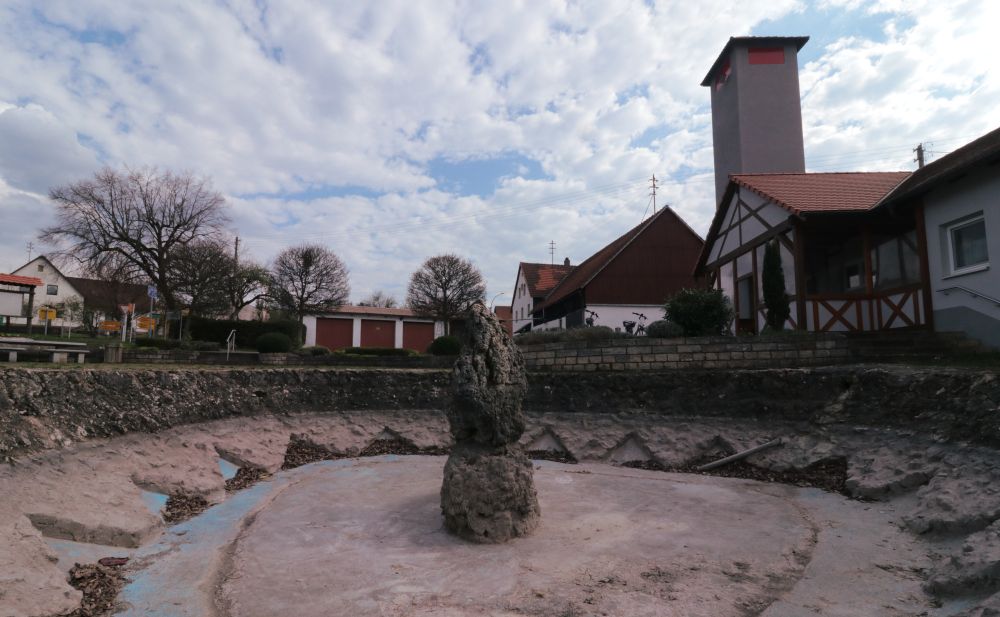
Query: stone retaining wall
point(644, 353)
point(44, 408)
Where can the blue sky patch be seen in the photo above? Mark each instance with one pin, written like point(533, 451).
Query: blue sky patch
point(482, 176)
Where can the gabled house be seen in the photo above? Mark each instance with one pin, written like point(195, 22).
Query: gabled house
point(848, 264)
point(635, 273)
point(534, 282)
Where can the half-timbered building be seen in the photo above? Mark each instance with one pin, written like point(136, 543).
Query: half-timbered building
point(848, 264)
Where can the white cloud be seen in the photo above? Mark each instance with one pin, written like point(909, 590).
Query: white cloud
point(273, 99)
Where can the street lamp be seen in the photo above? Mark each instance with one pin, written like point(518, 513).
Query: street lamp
point(495, 299)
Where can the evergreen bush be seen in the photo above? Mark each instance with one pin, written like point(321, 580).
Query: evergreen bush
point(247, 332)
point(664, 329)
point(700, 312)
point(446, 345)
point(773, 281)
point(274, 342)
point(314, 350)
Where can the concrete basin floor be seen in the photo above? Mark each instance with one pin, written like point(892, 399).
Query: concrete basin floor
point(364, 537)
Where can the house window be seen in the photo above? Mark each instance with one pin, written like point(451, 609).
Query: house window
point(41, 267)
point(895, 260)
point(51, 290)
point(967, 245)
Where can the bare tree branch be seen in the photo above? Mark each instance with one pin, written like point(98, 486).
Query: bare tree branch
point(308, 279)
point(139, 216)
point(444, 287)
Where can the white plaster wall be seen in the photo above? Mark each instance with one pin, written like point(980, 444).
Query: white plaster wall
point(957, 310)
point(520, 302)
point(612, 315)
point(309, 321)
point(50, 276)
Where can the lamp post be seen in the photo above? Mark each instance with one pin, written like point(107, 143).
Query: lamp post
point(495, 299)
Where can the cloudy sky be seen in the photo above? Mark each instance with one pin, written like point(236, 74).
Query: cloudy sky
point(395, 130)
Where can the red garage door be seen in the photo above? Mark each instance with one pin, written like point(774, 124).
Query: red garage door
point(378, 333)
point(334, 333)
point(417, 336)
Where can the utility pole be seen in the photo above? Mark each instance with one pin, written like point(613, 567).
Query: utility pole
point(920, 155)
point(236, 251)
point(652, 191)
point(552, 252)
point(30, 246)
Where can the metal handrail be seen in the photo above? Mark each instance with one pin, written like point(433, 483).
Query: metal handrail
point(971, 292)
point(230, 343)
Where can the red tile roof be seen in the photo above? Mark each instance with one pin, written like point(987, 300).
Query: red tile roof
point(506, 316)
point(26, 281)
point(542, 278)
point(802, 193)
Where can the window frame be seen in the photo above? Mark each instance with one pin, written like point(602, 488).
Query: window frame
point(949, 230)
point(51, 289)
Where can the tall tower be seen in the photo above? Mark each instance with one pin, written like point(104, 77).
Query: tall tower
point(756, 113)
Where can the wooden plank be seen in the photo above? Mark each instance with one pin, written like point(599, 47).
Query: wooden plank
point(799, 258)
point(925, 271)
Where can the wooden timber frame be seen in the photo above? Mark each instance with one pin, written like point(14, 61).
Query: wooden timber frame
point(907, 305)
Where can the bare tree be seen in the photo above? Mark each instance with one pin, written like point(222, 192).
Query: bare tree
point(379, 298)
point(140, 216)
point(444, 287)
point(308, 279)
point(200, 273)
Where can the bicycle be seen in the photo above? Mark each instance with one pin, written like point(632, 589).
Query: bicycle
point(631, 325)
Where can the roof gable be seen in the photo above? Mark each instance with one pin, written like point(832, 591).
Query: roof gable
point(596, 263)
point(543, 278)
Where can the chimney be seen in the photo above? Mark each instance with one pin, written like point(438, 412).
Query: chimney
point(566, 261)
point(756, 113)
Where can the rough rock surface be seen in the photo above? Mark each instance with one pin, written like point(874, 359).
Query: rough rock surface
point(31, 583)
point(975, 566)
point(488, 493)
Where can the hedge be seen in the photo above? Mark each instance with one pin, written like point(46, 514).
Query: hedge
point(247, 332)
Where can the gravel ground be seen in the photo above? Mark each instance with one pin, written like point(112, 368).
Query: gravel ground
point(182, 506)
point(100, 585)
point(245, 476)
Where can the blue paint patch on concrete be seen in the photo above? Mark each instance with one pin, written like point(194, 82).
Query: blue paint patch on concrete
point(187, 556)
point(70, 552)
point(154, 501)
point(228, 469)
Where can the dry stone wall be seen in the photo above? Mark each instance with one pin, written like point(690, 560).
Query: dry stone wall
point(42, 408)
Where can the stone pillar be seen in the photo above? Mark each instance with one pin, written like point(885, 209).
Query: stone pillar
point(488, 494)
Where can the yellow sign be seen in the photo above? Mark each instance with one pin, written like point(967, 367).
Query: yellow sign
point(109, 326)
point(146, 323)
point(46, 314)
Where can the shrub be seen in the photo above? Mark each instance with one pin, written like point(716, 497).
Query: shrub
point(446, 345)
point(700, 312)
point(315, 350)
point(595, 333)
point(274, 342)
point(664, 329)
point(158, 343)
point(247, 332)
point(378, 351)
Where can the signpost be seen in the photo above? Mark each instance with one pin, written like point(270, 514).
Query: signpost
point(153, 294)
point(46, 314)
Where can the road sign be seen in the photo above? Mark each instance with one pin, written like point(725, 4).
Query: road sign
point(151, 291)
point(46, 314)
point(146, 323)
point(109, 326)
